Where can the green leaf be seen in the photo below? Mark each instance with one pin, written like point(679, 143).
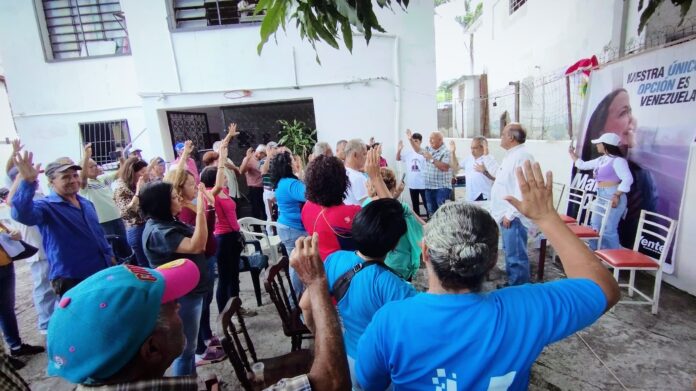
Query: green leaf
point(347, 35)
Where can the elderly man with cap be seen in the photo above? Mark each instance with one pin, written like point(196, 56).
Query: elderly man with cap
point(73, 239)
point(93, 341)
point(183, 150)
point(251, 168)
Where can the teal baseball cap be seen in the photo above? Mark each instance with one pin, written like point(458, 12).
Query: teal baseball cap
point(99, 325)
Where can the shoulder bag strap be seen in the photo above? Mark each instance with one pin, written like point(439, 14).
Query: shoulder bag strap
point(343, 282)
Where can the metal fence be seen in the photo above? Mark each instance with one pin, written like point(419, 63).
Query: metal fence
point(550, 106)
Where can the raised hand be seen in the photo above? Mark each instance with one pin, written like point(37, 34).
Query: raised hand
point(250, 153)
point(139, 184)
point(401, 145)
point(372, 162)
point(16, 146)
point(537, 194)
point(372, 141)
point(452, 146)
point(88, 151)
point(231, 131)
point(188, 147)
point(409, 134)
point(25, 165)
point(306, 261)
point(201, 205)
point(571, 152)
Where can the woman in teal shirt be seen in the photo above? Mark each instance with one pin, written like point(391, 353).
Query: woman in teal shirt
point(405, 258)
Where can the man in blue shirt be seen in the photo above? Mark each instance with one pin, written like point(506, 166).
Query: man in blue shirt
point(73, 239)
point(376, 230)
point(454, 338)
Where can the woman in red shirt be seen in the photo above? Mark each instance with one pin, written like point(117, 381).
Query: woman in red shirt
point(324, 212)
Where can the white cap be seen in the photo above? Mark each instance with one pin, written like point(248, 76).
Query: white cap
point(261, 148)
point(609, 138)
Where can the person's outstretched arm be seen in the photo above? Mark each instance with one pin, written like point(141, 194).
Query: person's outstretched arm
point(330, 367)
point(577, 259)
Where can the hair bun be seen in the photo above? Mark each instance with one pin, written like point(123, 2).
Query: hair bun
point(468, 259)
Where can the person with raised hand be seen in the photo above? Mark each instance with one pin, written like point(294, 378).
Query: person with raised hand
point(74, 241)
point(166, 239)
point(329, 369)
point(478, 341)
point(131, 178)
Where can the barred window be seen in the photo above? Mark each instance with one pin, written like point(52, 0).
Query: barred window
point(516, 4)
point(206, 13)
point(108, 139)
point(83, 28)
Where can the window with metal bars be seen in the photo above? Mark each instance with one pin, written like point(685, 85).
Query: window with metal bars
point(516, 4)
point(205, 13)
point(108, 139)
point(84, 28)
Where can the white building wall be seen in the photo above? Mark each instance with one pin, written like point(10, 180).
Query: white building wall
point(541, 37)
point(376, 91)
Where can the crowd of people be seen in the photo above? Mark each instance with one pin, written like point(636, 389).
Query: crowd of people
point(354, 245)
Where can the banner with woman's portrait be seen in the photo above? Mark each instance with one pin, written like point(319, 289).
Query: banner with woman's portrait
point(649, 101)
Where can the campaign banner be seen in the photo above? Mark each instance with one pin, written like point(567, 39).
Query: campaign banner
point(649, 101)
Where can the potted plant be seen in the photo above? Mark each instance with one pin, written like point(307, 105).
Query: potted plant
point(297, 137)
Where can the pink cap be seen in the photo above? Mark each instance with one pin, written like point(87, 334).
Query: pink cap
point(180, 277)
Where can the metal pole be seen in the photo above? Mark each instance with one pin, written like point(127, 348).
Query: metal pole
point(569, 107)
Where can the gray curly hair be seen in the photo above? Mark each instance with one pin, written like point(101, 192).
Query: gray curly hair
point(462, 242)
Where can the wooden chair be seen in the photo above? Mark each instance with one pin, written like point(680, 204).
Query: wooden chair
point(652, 227)
point(241, 353)
point(283, 296)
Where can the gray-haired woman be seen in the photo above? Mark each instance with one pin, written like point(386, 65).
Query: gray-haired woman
point(461, 339)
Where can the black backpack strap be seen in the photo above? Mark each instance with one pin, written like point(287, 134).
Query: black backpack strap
point(343, 282)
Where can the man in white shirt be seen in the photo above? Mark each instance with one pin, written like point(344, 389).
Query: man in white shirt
point(356, 154)
point(414, 164)
point(479, 169)
point(513, 225)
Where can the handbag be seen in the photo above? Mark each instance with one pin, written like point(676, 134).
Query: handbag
point(18, 249)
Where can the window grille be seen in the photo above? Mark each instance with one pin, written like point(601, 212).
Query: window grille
point(108, 139)
point(516, 4)
point(84, 28)
point(205, 13)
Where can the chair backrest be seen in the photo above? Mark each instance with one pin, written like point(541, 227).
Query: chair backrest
point(236, 348)
point(576, 202)
point(599, 206)
point(247, 224)
point(558, 190)
point(282, 293)
point(657, 228)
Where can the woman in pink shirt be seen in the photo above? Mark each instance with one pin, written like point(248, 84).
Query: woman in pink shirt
point(229, 240)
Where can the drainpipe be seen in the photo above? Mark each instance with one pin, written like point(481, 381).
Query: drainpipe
point(624, 27)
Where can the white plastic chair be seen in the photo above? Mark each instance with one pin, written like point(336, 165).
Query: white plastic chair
point(576, 197)
point(596, 205)
point(652, 226)
point(269, 243)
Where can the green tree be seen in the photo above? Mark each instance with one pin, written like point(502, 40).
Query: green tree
point(322, 20)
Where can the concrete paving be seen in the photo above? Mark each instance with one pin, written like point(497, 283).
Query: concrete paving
point(627, 349)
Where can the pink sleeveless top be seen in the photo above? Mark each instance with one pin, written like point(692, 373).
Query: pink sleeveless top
point(606, 172)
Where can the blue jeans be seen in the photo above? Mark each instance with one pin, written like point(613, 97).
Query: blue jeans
point(190, 309)
point(516, 258)
point(204, 331)
point(117, 227)
point(436, 197)
point(610, 239)
point(288, 236)
point(134, 234)
point(45, 298)
point(8, 318)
